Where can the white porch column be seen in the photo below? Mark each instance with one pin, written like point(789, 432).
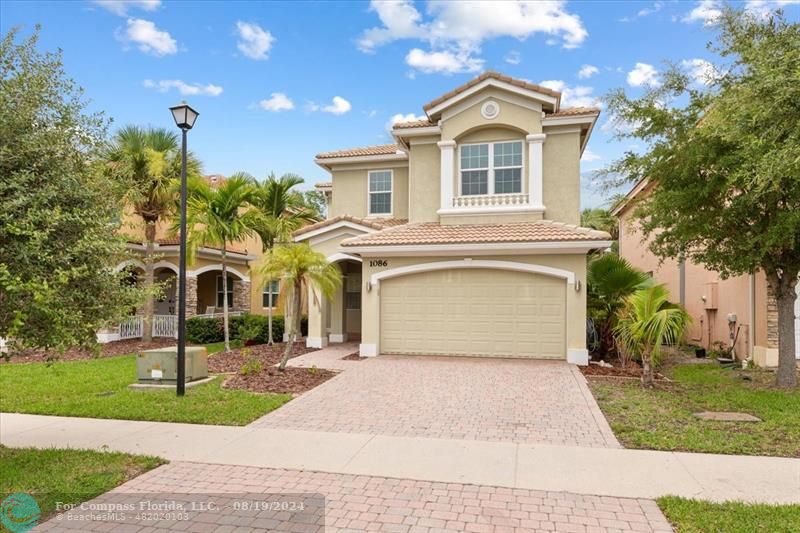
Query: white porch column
point(317, 320)
point(535, 141)
point(447, 172)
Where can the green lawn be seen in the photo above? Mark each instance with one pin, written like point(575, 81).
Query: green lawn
point(693, 516)
point(68, 476)
point(662, 419)
point(98, 388)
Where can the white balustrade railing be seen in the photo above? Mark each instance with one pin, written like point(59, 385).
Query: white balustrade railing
point(131, 327)
point(219, 315)
point(165, 326)
point(490, 200)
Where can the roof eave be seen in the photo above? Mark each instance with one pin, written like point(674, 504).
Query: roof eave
point(538, 247)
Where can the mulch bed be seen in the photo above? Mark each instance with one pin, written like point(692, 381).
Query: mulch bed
point(111, 349)
point(231, 362)
point(631, 371)
point(353, 357)
point(289, 381)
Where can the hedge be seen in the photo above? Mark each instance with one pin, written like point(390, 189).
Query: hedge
point(205, 330)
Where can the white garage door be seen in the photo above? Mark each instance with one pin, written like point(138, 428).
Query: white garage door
point(474, 312)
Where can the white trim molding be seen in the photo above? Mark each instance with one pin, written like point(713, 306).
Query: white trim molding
point(447, 172)
point(212, 268)
point(491, 82)
point(316, 342)
point(367, 350)
point(416, 132)
point(529, 268)
point(328, 162)
point(333, 227)
point(335, 258)
point(535, 172)
point(578, 356)
point(492, 248)
point(129, 262)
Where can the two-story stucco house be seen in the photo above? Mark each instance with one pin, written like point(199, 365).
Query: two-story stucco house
point(461, 238)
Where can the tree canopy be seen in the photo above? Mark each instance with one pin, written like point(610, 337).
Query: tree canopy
point(60, 214)
point(723, 156)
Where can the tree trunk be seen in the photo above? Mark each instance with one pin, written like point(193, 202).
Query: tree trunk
point(149, 280)
point(784, 288)
point(225, 300)
point(647, 371)
point(294, 311)
point(270, 342)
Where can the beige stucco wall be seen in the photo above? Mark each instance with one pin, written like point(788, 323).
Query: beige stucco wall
point(456, 124)
point(561, 183)
point(350, 195)
point(733, 294)
point(424, 188)
point(575, 304)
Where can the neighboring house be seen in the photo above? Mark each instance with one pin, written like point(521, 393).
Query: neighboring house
point(719, 307)
point(204, 288)
point(462, 237)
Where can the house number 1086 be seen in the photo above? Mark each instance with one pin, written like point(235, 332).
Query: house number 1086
point(378, 263)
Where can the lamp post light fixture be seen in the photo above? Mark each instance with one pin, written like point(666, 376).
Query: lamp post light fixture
point(184, 117)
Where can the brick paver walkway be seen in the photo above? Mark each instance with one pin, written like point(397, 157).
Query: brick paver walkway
point(364, 503)
point(521, 401)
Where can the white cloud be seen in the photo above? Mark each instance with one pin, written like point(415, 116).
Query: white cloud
point(643, 74)
point(399, 117)
point(587, 71)
point(589, 156)
point(706, 11)
point(701, 71)
point(445, 62)
point(121, 7)
point(254, 42)
point(578, 96)
point(513, 58)
point(644, 12)
point(455, 30)
point(338, 106)
point(765, 8)
point(184, 88)
point(276, 102)
point(148, 38)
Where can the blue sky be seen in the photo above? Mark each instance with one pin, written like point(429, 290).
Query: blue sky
point(276, 83)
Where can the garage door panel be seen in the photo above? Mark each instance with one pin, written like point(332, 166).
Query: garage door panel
point(474, 312)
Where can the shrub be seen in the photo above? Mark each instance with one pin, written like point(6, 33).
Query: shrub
point(205, 330)
point(200, 330)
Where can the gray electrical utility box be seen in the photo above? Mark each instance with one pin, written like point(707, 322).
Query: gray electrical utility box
point(161, 365)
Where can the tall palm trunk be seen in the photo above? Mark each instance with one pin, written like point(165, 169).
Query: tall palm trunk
point(149, 280)
point(295, 311)
point(225, 299)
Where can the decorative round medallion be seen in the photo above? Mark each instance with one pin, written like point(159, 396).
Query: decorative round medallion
point(490, 109)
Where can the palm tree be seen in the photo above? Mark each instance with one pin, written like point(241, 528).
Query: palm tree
point(218, 216)
point(648, 322)
point(299, 266)
point(281, 210)
point(148, 161)
point(610, 279)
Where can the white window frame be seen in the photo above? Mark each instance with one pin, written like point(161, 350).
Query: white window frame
point(370, 193)
point(273, 298)
point(217, 292)
point(491, 168)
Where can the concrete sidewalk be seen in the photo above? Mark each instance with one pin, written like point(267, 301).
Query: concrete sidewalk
point(598, 471)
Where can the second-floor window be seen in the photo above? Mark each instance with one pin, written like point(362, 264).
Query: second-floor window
point(491, 168)
point(380, 192)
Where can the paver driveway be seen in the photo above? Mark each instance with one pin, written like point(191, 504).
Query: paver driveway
point(521, 401)
point(365, 503)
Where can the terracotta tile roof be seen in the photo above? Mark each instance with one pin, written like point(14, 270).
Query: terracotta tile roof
point(424, 123)
point(215, 180)
point(435, 233)
point(381, 149)
point(373, 223)
point(574, 111)
point(497, 76)
point(323, 185)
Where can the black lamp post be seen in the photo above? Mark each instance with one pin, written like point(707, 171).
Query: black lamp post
point(184, 117)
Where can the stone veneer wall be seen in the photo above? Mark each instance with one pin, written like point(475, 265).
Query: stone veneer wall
point(241, 295)
point(772, 319)
point(191, 295)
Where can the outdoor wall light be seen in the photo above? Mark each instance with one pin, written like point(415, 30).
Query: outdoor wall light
point(184, 115)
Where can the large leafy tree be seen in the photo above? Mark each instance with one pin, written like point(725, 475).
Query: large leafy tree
point(280, 209)
point(218, 216)
point(60, 215)
point(724, 161)
point(298, 266)
point(149, 161)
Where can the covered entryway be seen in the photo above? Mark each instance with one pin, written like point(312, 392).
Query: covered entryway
point(475, 312)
